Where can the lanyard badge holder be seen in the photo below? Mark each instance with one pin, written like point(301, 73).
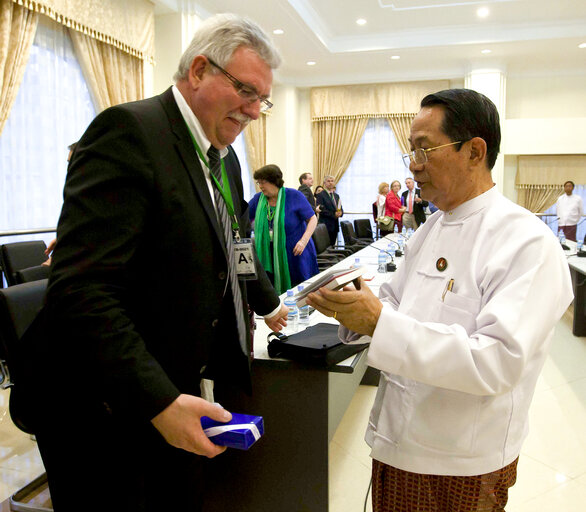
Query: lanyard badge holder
point(242, 247)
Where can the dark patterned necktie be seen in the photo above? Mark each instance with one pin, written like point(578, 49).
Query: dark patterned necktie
point(226, 224)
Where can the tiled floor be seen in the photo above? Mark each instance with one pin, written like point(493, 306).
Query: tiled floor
point(552, 467)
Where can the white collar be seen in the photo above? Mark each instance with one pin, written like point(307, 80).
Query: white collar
point(471, 206)
point(194, 124)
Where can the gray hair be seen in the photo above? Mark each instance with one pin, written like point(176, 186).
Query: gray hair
point(220, 36)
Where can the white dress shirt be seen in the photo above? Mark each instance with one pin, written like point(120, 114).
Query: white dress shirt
point(569, 209)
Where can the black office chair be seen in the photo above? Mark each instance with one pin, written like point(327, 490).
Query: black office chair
point(363, 230)
point(26, 275)
point(326, 254)
point(20, 255)
point(19, 305)
point(350, 240)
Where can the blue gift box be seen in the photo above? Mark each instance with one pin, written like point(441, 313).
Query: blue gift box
point(241, 432)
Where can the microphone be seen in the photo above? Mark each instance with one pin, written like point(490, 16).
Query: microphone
point(398, 251)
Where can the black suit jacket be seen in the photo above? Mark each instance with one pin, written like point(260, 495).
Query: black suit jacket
point(306, 191)
point(137, 301)
point(327, 214)
point(418, 208)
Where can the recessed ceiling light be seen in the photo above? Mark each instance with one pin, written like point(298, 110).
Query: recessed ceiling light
point(311, 63)
point(395, 57)
point(583, 45)
point(361, 21)
point(278, 31)
point(486, 51)
point(482, 12)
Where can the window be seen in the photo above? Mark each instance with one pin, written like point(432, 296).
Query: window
point(52, 109)
point(377, 159)
point(239, 147)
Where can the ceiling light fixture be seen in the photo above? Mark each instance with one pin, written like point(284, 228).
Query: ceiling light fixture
point(482, 12)
point(361, 21)
point(278, 31)
point(583, 45)
point(311, 63)
point(395, 57)
point(486, 51)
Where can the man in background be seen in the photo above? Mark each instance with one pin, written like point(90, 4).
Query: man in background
point(569, 211)
point(145, 306)
point(462, 330)
point(414, 214)
point(331, 208)
point(305, 184)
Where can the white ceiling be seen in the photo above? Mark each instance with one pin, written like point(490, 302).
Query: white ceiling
point(435, 39)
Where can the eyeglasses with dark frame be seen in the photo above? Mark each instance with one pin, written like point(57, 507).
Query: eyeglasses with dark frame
point(246, 92)
point(419, 155)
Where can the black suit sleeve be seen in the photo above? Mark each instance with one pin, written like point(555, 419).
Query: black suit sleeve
point(106, 207)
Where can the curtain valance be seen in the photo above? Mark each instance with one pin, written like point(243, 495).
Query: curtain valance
point(550, 170)
point(370, 100)
point(128, 25)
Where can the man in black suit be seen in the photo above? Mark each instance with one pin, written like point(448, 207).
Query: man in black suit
point(305, 184)
point(331, 208)
point(414, 215)
point(143, 305)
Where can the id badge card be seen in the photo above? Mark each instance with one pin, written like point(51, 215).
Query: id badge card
point(243, 252)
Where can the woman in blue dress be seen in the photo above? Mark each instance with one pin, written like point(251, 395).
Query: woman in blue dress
point(283, 224)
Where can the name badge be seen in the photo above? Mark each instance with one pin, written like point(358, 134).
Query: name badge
point(244, 254)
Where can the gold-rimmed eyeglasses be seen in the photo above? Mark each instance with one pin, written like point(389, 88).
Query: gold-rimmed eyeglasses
point(246, 92)
point(419, 155)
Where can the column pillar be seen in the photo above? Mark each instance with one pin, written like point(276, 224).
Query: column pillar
point(491, 81)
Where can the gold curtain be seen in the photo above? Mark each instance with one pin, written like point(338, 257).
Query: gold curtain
point(550, 169)
point(113, 76)
point(17, 32)
point(256, 148)
point(340, 114)
point(128, 25)
point(401, 126)
point(538, 198)
point(335, 143)
point(370, 100)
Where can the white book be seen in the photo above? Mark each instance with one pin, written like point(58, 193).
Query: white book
point(330, 279)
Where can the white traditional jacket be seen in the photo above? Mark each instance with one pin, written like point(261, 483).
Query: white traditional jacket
point(459, 366)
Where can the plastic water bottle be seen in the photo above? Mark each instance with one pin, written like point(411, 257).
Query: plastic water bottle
point(303, 310)
point(390, 251)
point(401, 242)
point(396, 229)
point(382, 262)
point(404, 231)
point(562, 236)
point(356, 263)
point(293, 314)
point(579, 245)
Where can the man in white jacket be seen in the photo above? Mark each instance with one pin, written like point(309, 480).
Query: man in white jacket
point(462, 330)
point(569, 210)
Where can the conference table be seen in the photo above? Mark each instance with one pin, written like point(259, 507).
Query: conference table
point(302, 405)
point(578, 272)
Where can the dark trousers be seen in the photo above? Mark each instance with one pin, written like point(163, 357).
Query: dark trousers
point(570, 232)
point(102, 466)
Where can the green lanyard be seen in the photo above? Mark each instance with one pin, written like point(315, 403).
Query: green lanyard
point(224, 190)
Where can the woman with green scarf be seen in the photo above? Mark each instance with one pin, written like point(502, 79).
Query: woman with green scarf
point(283, 224)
